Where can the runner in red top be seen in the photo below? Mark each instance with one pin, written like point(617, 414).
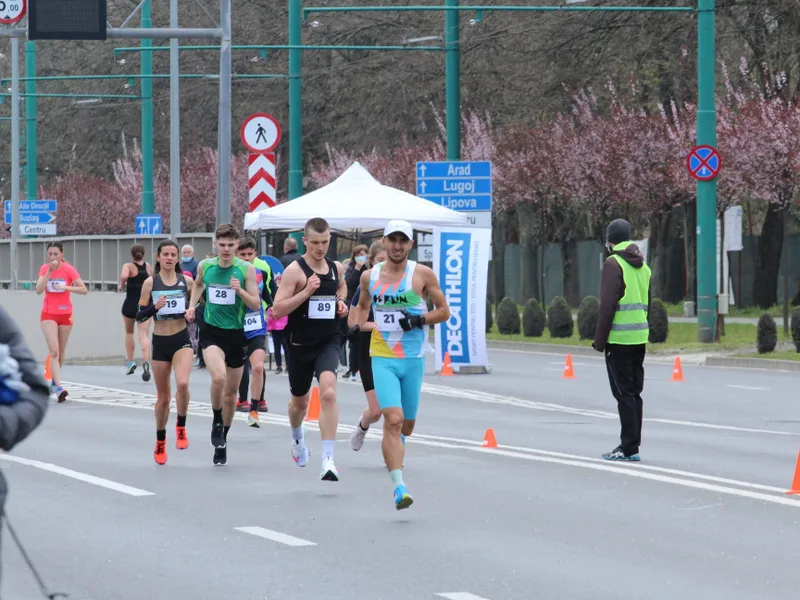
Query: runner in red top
point(58, 280)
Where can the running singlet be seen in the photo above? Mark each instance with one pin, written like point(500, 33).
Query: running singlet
point(315, 320)
point(388, 301)
point(133, 287)
point(224, 308)
point(177, 298)
point(55, 302)
point(255, 321)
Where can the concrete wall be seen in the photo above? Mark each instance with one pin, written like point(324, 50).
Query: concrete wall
point(98, 333)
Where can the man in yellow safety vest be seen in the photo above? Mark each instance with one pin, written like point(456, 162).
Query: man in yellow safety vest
point(622, 332)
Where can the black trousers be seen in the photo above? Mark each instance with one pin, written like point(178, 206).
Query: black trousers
point(244, 384)
point(355, 367)
point(625, 366)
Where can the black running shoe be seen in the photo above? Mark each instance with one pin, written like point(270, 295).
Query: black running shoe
point(220, 456)
point(145, 371)
point(218, 435)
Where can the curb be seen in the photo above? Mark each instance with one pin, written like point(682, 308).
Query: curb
point(772, 364)
point(546, 348)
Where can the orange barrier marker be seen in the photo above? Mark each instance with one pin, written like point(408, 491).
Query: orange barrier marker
point(48, 374)
point(313, 405)
point(447, 367)
point(796, 481)
point(489, 441)
point(569, 371)
point(677, 370)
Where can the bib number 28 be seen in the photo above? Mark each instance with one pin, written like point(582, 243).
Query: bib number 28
point(221, 295)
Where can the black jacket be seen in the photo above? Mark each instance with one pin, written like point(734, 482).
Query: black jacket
point(19, 419)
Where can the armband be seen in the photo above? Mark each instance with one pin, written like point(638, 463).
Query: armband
point(145, 312)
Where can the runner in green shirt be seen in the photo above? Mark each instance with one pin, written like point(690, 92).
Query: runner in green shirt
point(231, 288)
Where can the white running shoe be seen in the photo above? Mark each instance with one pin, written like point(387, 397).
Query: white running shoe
point(357, 438)
point(300, 454)
point(329, 472)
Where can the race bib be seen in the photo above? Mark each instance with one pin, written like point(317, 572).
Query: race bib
point(176, 305)
point(322, 307)
point(388, 319)
point(52, 283)
point(252, 322)
point(221, 294)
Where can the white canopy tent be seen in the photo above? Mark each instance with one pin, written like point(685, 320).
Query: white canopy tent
point(355, 201)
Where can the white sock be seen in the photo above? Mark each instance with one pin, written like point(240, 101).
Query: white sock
point(297, 435)
point(327, 448)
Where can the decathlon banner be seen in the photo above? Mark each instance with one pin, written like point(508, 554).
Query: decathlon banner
point(461, 262)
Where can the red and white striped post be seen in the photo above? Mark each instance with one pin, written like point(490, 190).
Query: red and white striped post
point(261, 134)
point(261, 172)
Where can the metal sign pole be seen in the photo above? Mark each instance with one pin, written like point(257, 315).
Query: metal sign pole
point(15, 174)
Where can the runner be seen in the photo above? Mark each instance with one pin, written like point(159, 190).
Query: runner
point(397, 291)
point(231, 286)
point(371, 414)
point(58, 280)
point(255, 330)
point(312, 292)
point(130, 281)
point(172, 349)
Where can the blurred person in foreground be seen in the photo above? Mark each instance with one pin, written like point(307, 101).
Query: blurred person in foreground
point(622, 332)
point(23, 392)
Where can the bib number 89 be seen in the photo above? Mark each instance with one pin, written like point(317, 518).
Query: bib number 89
point(324, 307)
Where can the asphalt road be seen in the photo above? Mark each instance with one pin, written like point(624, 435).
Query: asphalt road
point(704, 515)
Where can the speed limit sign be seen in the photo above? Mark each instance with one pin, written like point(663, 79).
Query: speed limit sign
point(12, 11)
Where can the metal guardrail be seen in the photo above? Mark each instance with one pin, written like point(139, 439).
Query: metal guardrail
point(98, 258)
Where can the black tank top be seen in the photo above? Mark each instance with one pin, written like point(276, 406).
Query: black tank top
point(177, 297)
point(133, 288)
point(315, 320)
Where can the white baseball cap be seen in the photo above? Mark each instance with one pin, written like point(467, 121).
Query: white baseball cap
point(399, 226)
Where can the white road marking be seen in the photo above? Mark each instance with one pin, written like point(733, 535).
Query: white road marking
point(681, 478)
point(275, 536)
point(461, 596)
point(748, 387)
point(99, 481)
point(441, 390)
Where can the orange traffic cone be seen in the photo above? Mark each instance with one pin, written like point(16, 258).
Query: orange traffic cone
point(489, 441)
point(796, 481)
point(313, 406)
point(48, 374)
point(677, 370)
point(447, 367)
point(569, 372)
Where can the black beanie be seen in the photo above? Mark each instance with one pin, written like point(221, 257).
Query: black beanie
point(619, 230)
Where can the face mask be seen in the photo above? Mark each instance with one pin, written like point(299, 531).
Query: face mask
point(361, 259)
point(186, 259)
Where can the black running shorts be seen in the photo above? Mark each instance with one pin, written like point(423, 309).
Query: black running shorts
point(257, 343)
point(304, 362)
point(166, 346)
point(232, 342)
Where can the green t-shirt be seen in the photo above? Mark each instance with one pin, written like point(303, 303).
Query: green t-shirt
point(224, 308)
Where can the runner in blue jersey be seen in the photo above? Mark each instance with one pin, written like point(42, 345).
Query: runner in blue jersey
point(396, 290)
point(255, 331)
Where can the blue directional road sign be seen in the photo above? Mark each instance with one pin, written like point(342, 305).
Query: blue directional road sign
point(148, 224)
point(458, 185)
point(33, 212)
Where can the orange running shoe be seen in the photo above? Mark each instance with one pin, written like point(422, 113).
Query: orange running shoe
point(252, 419)
point(160, 455)
point(181, 441)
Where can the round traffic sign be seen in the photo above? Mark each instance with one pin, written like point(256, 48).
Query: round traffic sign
point(261, 132)
point(704, 163)
point(12, 11)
